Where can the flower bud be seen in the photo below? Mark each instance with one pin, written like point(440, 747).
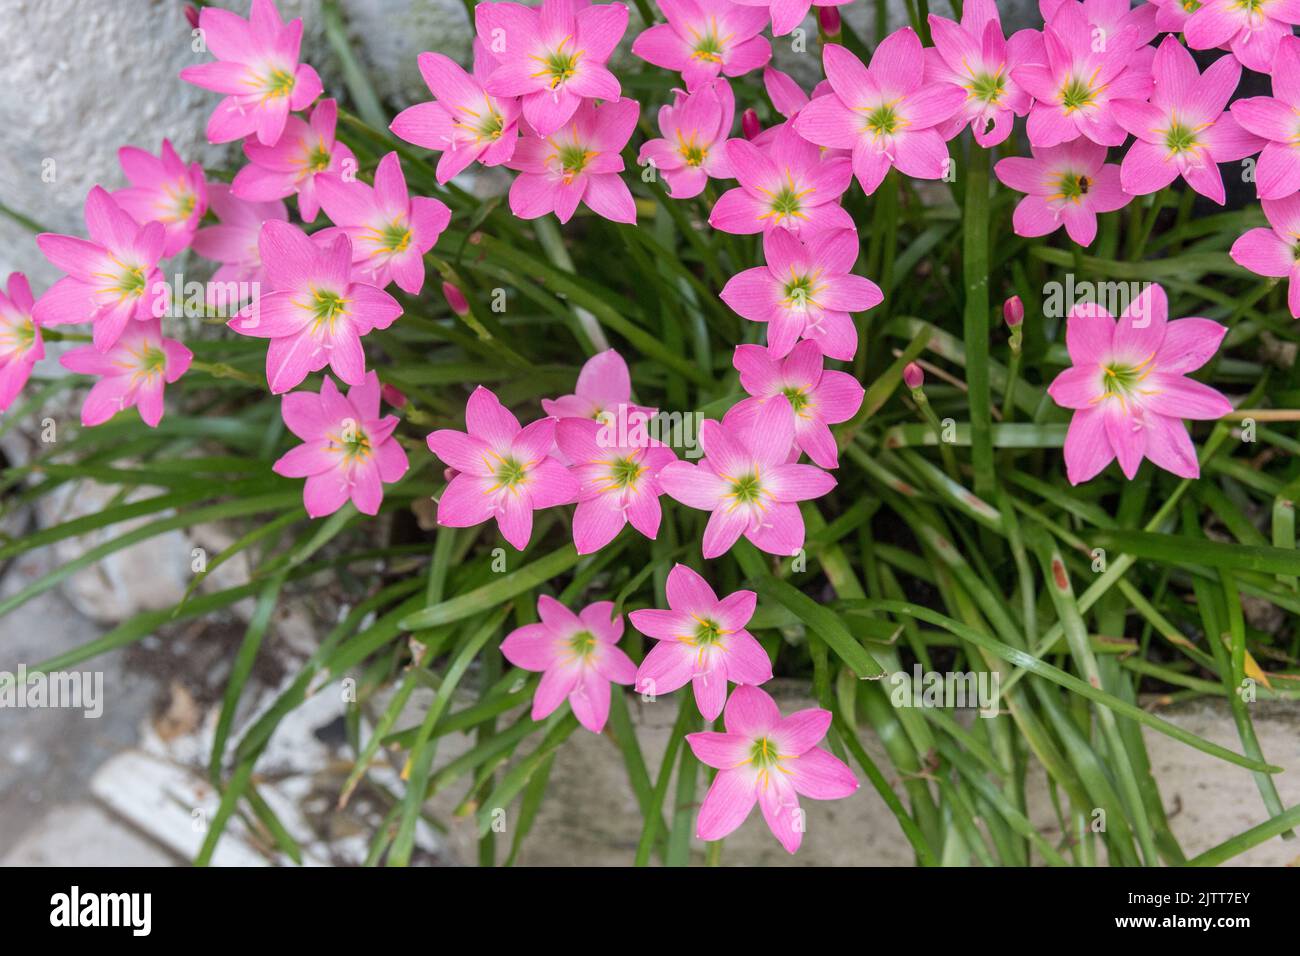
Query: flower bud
point(913, 377)
point(1013, 310)
point(192, 15)
point(393, 395)
point(828, 18)
point(749, 124)
point(456, 299)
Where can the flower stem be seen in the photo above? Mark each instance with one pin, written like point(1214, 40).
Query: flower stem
point(975, 256)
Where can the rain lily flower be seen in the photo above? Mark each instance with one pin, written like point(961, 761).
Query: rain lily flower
point(132, 372)
point(348, 450)
point(603, 392)
point(1275, 252)
point(618, 481)
point(1276, 120)
point(977, 57)
point(233, 241)
point(1184, 129)
point(1251, 29)
point(577, 657)
point(111, 278)
point(770, 760)
point(165, 190)
point(817, 398)
point(786, 186)
point(788, 14)
point(748, 483)
point(315, 314)
point(20, 339)
point(1110, 18)
point(503, 471)
point(305, 152)
point(705, 38)
point(1171, 15)
point(701, 640)
point(885, 112)
point(580, 162)
point(257, 68)
point(913, 376)
point(464, 122)
point(1129, 390)
point(695, 129)
point(1074, 89)
point(805, 290)
point(1066, 185)
point(390, 230)
point(553, 56)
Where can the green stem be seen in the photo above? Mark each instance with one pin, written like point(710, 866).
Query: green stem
point(975, 254)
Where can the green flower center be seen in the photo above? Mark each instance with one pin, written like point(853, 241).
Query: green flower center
point(582, 644)
point(797, 397)
point(1179, 138)
point(560, 64)
point(1123, 381)
point(278, 84)
point(327, 308)
point(1074, 186)
point(625, 472)
point(799, 292)
point(692, 152)
point(708, 47)
point(1077, 94)
point(764, 754)
point(395, 237)
point(510, 473)
point(707, 633)
point(573, 159)
point(747, 490)
point(130, 284)
point(318, 160)
point(153, 362)
point(1191, 6)
point(883, 120)
point(988, 87)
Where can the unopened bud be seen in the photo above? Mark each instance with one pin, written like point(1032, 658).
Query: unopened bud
point(192, 15)
point(749, 124)
point(456, 299)
point(1013, 310)
point(913, 377)
point(393, 395)
point(828, 18)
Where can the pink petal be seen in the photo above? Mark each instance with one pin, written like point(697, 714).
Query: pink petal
point(820, 775)
point(730, 798)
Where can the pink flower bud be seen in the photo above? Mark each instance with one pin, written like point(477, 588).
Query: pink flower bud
point(749, 124)
point(456, 299)
point(829, 19)
point(913, 377)
point(192, 15)
point(1013, 310)
point(393, 395)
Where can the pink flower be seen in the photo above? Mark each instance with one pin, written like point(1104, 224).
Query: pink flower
point(785, 186)
point(618, 476)
point(701, 640)
point(579, 162)
point(1129, 388)
point(1171, 15)
point(233, 242)
point(315, 314)
point(464, 121)
point(1085, 71)
point(695, 129)
point(305, 152)
point(20, 339)
point(770, 760)
point(1275, 252)
point(163, 189)
point(976, 57)
point(806, 290)
point(788, 14)
point(886, 112)
point(577, 656)
point(132, 372)
point(817, 399)
point(1251, 29)
point(1066, 184)
point(390, 230)
point(705, 38)
point(257, 68)
point(748, 482)
point(1184, 129)
point(111, 279)
point(603, 391)
point(552, 55)
point(1110, 17)
point(348, 451)
point(503, 471)
point(1276, 120)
